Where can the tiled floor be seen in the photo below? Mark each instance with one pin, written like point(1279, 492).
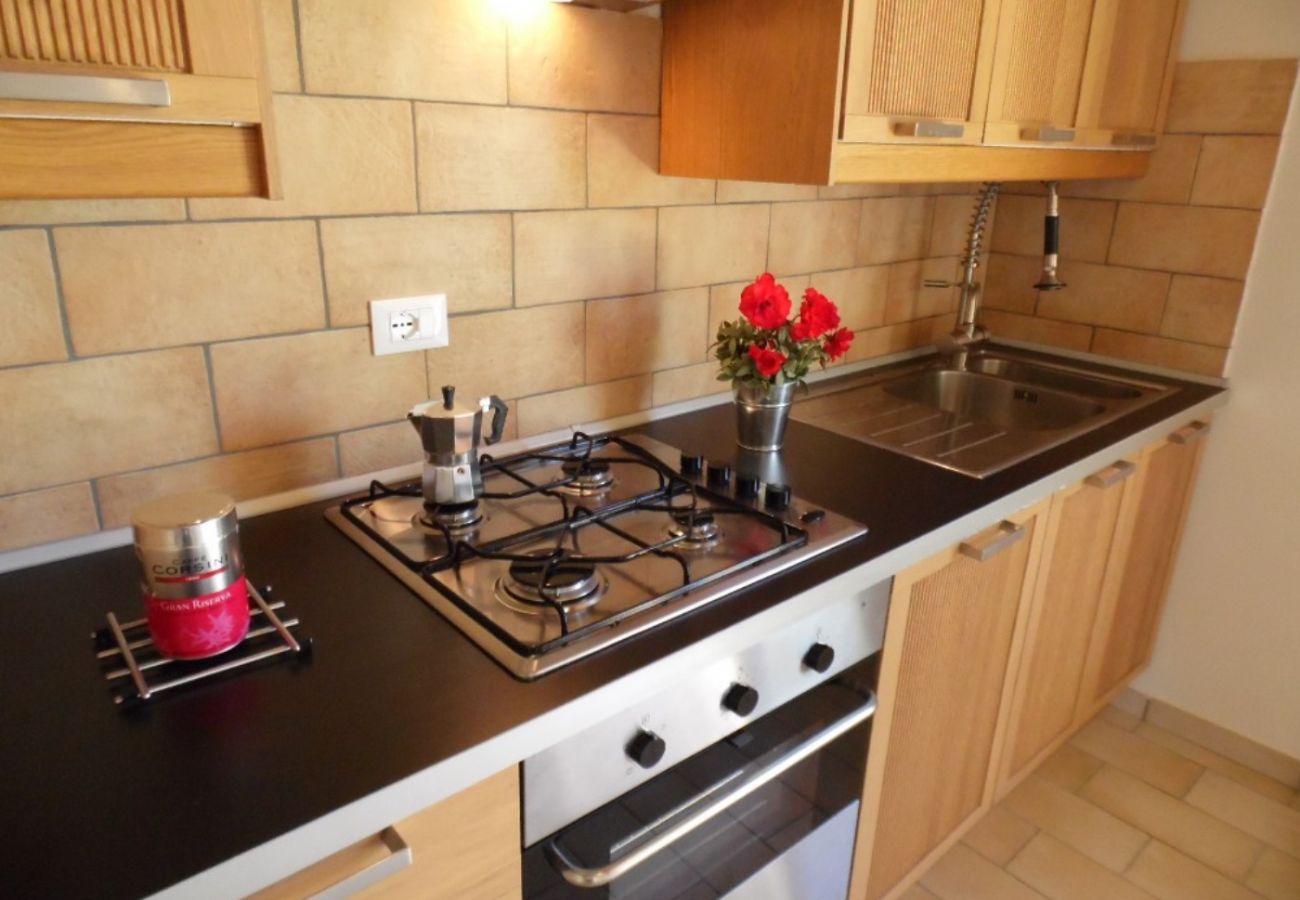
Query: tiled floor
point(1130, 811)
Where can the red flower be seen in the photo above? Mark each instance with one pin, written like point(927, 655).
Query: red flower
point(765, 303)
point(817, 316)
point(767, 361)
point(838, 343)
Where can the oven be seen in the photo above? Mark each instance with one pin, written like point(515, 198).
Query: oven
point(740, 780)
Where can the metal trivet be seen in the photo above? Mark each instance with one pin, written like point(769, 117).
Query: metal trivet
point(147, 673)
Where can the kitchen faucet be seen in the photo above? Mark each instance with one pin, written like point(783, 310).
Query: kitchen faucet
point(955, 344)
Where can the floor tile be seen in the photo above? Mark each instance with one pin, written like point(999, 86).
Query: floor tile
point(1088, 829)
point(916, 892)
point(999, 836)
point(1244, 775)
point(1170, 875)
point(1184, 827)
point(1069, 767)
point(1120, 718)
point(1061, 873)
point(1276, 876)
point(962, 874)
point(1272, 822)
point(1156, 765)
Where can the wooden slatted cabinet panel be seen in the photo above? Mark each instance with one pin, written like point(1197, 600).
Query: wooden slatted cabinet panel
point(955, 623)
point(465, 848)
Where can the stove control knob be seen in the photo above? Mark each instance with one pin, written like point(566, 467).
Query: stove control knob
point(777, 496)
point(646, 749)
point(747, 486)
point(819, 657)
point(719, 475)
point(740, 699)
point(691, 464)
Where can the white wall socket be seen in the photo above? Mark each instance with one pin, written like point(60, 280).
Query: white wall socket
point(408, 323)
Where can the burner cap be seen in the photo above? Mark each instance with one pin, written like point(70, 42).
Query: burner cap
point(696, 530)
point(453, 516)
point(572, 583)
point(587, 476)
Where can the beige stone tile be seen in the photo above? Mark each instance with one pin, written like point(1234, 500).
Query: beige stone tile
point(896, 338)
point(381, 447)
point(906, 297)
point(1066, 335)
point(814, 235)
point(512, 353)
point(350, 157)
point(724, 299)
point(75, 420)
point(425, 49)
point(764, 192)
point(1234, 171)
point(244, 476)
point(1183, 827)
point(324, 381)
point(1276, 876)
point(1157, 766)
point(1243, 775)
point(1131, 299)
point(1119, 718)
point(1229, 743)
point(859, 293)
point(687, 383)
point(711, 244)
point(29, 302)
point(631, 335)
point(281, 35)
point(1062, 873)
point(848, 191)
point(1085, 227)
point(498, 157)
point(587, 59)
point(952, 214)
point(1170, 875)
point(53, 514)
point(1168, 179)
point(161, 285)
point(1158, 351)
point(468, 258)
point(60, 212)
point(1240, 96)
point(999, 836)
point(936, 188)
point(894, 229)
point(1085, 827)
point(962, 874)
point(1069, 768)
point(580, 255)
point(1274, 823)
point(1189, 239)
point(1010, 282)
point(1202, 309)
point(583, 405)
point(623, 166)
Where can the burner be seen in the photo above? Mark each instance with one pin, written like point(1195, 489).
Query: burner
point(696, 530)
point(395, 509)
point(588, 476)
point(453, 516)
point(573, 584)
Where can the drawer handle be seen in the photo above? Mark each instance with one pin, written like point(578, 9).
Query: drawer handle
point(1047, 133)
point(399, 859)
point(928, 128)
point(84, 89)
point(986, 546)
point(1111, 475)
point(1132, 139)
point(1190, 434)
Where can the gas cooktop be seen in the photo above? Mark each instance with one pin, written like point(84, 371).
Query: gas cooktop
point(579, 545)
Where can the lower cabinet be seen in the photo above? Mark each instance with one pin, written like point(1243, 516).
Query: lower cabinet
point(465, 848)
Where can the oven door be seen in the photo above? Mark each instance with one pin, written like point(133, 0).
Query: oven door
point(770, 812)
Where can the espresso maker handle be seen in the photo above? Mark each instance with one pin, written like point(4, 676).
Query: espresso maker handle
point(499, 412)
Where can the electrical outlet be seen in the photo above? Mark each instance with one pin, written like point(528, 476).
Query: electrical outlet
point(408, 323)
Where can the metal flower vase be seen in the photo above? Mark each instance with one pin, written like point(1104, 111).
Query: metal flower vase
point(762, 411)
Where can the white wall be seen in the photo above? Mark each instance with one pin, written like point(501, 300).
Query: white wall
point(1229, 647)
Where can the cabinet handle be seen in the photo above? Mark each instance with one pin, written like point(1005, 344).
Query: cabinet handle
point(84, 89)
point(1047, 133)
point(1132, 139)
point(1111, 475)
point(1190, 434)
point(928, 128)
point(399, 859)
point(986, 546)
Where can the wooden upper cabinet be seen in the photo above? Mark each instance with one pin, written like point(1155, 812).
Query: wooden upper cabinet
point(918, 70)
point(133, 98)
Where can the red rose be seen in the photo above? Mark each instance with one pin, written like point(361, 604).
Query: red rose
point(767, 361)
point(765, 303)
point(817, 316)
point(838, 343)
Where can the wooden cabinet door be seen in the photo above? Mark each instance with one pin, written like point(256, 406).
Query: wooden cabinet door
point(1037, 72)
point(1150, 525)
point(917, 71)
point(945, 676)
point(1079, 534)
point(1128, 73)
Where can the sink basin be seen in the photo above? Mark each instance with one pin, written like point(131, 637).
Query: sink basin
point(994, 401)
point(1050, 377)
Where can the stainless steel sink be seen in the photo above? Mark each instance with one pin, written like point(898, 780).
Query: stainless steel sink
point(997, 411)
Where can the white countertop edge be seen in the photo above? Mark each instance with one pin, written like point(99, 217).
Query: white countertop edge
point(278, 858)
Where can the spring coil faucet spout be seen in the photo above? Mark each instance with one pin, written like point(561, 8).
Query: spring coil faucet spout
point(967, 332)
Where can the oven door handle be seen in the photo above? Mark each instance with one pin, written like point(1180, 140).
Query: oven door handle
point(705, 808)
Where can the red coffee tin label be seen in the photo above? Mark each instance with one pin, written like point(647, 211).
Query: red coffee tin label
point(196, 627)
